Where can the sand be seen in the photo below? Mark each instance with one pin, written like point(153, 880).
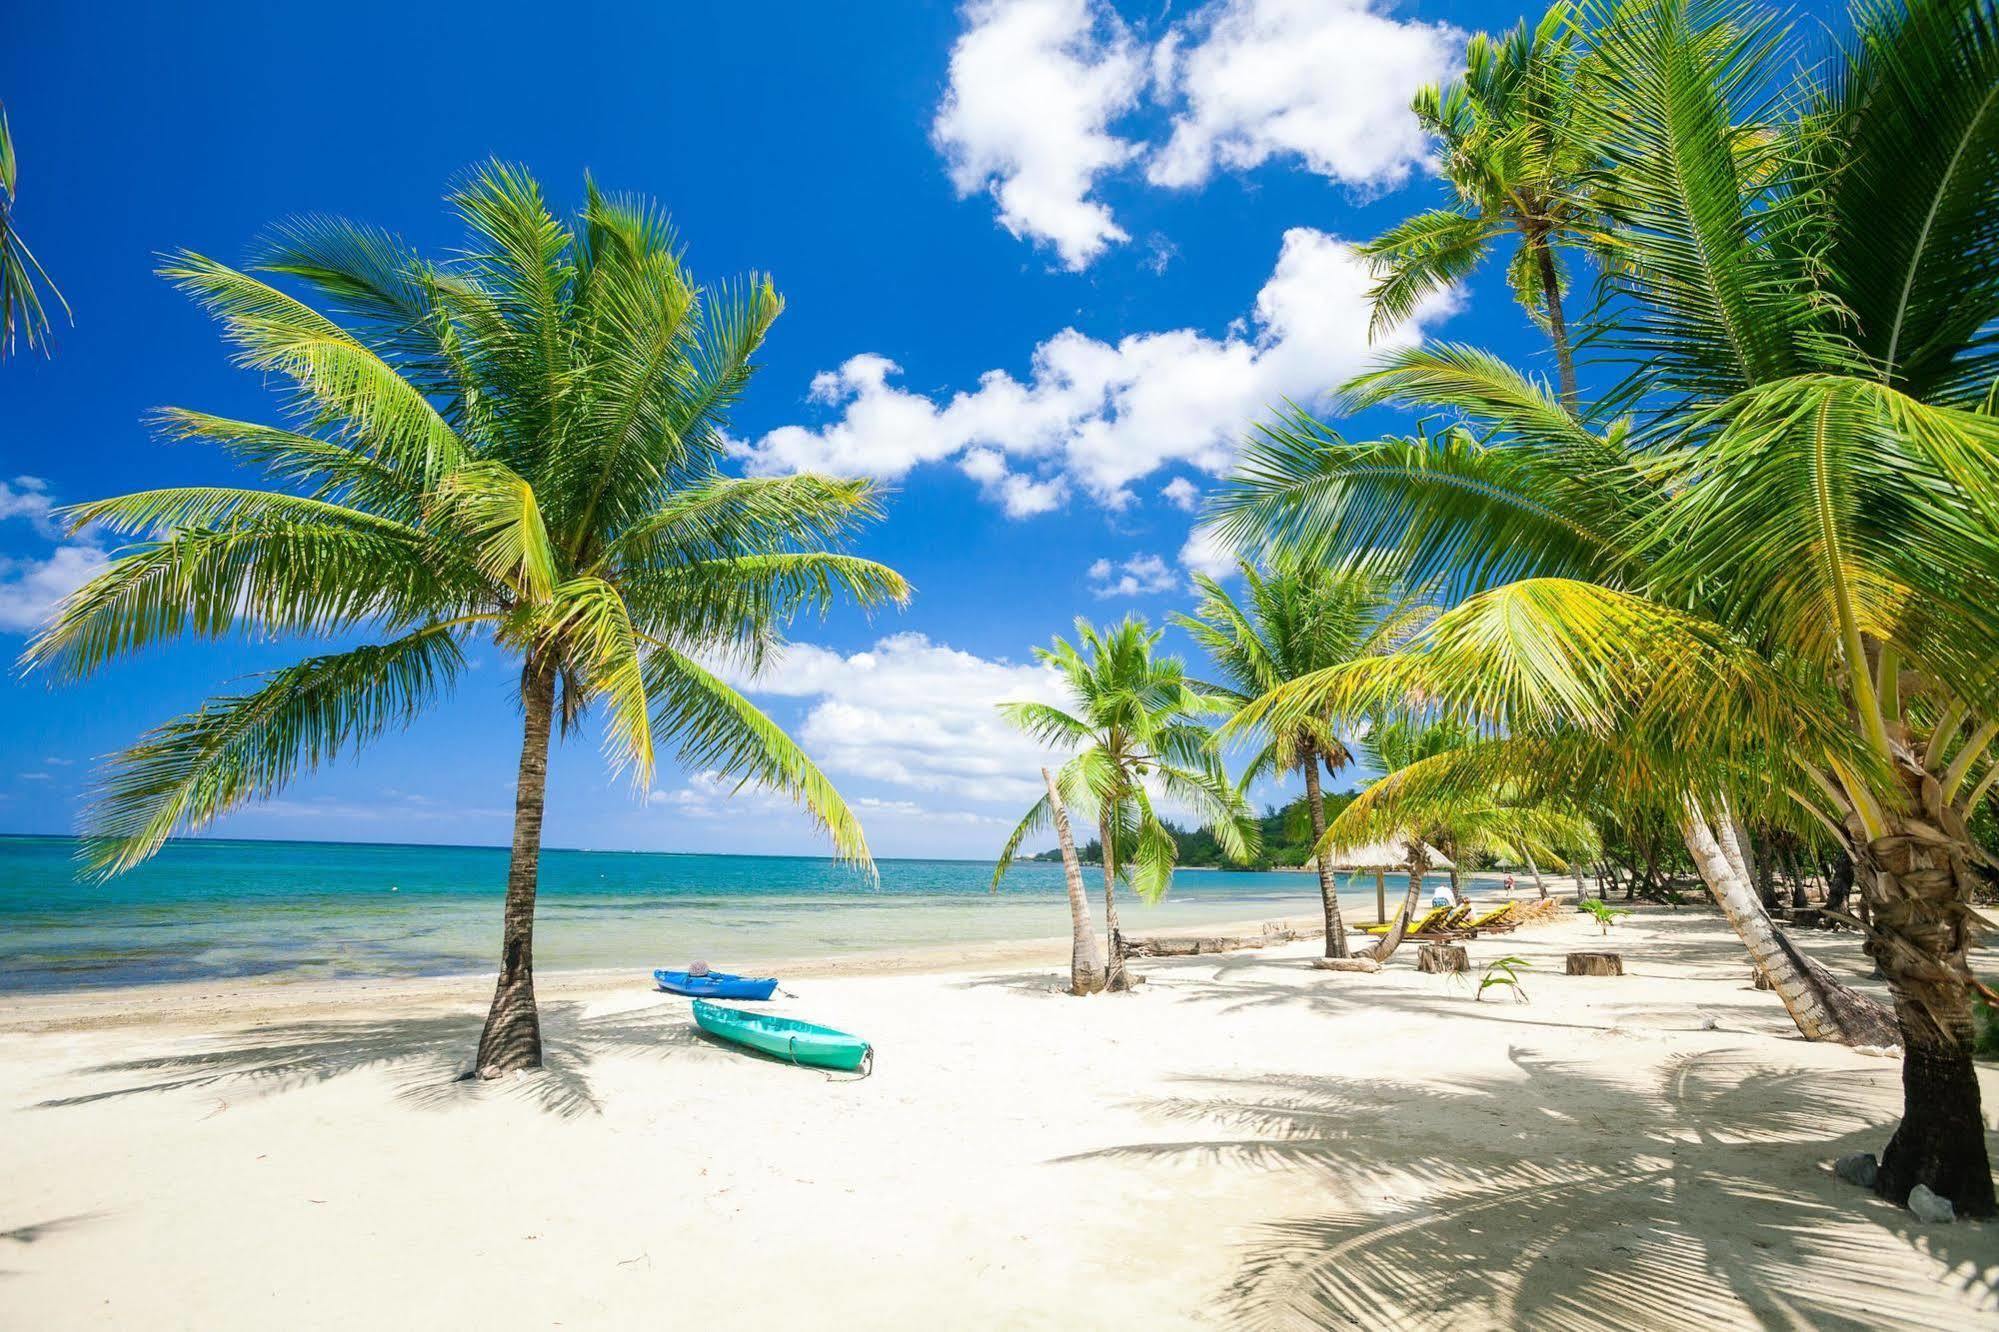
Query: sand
point(1246, 1142)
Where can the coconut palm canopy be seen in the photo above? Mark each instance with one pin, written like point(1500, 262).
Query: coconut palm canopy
point(1774, 579)
point(518, 444)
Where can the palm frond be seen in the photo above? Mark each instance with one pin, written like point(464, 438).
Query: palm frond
point(715, 728)
point(185, 774)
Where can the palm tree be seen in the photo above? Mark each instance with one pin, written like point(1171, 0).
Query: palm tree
point(1781, 584)
point(1086, 960)
point(1131, 728)
point(518, 445)
point(1515, 134)
point(21, 274)
point(1296, 621)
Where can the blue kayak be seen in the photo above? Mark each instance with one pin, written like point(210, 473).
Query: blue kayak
point(716, 985)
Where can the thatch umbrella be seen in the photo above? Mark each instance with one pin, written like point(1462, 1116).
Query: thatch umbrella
point(1389, 854)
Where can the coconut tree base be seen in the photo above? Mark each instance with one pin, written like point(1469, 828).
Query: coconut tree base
point(1941, 1139)
point(512, 1038)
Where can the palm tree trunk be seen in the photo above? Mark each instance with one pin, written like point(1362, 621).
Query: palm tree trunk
point(1381, 897)
point(1539, 885)
point(1558, 324)
point(1086, 969)
point(1418, 862)
point(1822, 1008)
point(512, 1038)
point(1115, 979)
point(1336, 930)
point(1917, 877)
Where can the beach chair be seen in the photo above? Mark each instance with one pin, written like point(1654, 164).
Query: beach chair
point(1496, 921)
point(1452, 926)
point(1428, 922)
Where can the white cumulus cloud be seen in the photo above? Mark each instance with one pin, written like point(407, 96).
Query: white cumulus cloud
point(1034, 87)
point(1204, 553)
point(1326, 83)
point(1099, 415)
point(1141, 575)
point(32, 585)
point(1181, 493)
point(913, 713)
point(1043, 94)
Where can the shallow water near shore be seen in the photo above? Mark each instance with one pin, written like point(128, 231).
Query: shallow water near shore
point(213, 908)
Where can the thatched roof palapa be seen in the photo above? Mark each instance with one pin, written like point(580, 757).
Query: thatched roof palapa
point(1391, 854)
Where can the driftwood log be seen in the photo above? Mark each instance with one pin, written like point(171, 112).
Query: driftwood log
point(1196, 945)
point(1441, 958)
point(1595, 964)
point(1362, 964)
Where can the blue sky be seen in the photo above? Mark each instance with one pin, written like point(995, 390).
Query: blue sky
point(1045, 261)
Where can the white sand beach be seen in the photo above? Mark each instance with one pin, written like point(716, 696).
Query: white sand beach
point(1245, 1142)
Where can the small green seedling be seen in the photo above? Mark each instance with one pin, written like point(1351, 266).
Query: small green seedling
point(1606, 915)
point(1504, 971)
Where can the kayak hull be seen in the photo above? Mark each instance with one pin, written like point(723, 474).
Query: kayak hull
point(715, 985)
point(782, 1037)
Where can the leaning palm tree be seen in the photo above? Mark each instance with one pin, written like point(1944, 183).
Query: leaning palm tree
point(1131, 728)
point(1086, 960)
point(518, 445)
point(1515, 139)
point(1293, 622)
point(1781, 581)
point(22, 278)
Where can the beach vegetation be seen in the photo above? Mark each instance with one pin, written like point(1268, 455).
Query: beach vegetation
point(1133, 728)
point(1288, 624)
point(23, 280)
point(511, 451)
point(1757, 577)
point(1516, 143)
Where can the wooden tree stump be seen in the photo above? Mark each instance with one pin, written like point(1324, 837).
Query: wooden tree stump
point(1595, 964)
point(1438, 958)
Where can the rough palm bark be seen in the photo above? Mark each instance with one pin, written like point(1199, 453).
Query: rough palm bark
point(512, 1036)
point(1822, 1008)
point(1917, 879)
point(1558, 324)
point(1419, 861)
point(1540, 884)
point(1115, 978)
point(1336, 930)
point(1086, 968)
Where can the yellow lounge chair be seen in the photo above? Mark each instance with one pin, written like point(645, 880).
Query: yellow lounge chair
point(1450, 927)
point(1500, 918)
point(1429, 922)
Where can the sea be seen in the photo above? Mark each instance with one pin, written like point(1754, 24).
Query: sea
point(214, 908)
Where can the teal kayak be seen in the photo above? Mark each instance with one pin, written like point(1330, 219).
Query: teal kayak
point(786, 1038)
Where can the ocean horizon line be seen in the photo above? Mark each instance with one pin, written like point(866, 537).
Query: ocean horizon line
point(502, 846)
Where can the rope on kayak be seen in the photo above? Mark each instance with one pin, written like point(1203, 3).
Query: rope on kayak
point(867, 1069)
point(867, 1062)
point(786, 993)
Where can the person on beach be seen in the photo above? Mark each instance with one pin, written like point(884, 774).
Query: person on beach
point(1509, 883)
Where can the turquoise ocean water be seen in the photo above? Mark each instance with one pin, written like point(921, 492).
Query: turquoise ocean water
point(213, 908)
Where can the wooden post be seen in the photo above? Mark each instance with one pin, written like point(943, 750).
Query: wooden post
point(1381, 897)
point(1595, 964)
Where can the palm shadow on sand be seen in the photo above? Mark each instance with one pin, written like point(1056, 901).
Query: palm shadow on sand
point(1460, 1204)
point(428, 1058)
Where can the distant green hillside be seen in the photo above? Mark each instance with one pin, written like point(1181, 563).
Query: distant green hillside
point(1287, 840)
